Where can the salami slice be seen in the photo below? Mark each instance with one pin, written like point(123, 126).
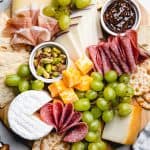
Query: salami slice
point(57, 111)
point(105, 61)
point(76, 133)
point(93, 51)
point(66, 115)
point(127, 47)
point(46, 114)
point(76, 117)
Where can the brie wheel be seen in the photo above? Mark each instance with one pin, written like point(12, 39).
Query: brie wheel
point(21, 116)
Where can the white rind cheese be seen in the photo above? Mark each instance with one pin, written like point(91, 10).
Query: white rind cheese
point(21, 116)
point(123, 130)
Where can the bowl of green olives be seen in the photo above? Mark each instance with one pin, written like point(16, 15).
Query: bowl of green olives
point(47, 61)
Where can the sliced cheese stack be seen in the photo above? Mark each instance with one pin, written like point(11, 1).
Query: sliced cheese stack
point(124, 130)
point(21, 116)
point(84, 31)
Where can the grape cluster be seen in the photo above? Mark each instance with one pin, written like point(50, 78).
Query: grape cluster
point(23, 80)
point(61, 10)
point(109, 96)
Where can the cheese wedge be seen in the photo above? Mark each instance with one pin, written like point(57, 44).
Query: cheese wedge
point(84, 31)
point(124, 130)
point(21, 116)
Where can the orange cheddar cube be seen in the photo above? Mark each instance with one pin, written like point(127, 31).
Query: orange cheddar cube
point(56, 88)
point(68, 96)
point(71, 77)
point(84, 64)
point(84, 85)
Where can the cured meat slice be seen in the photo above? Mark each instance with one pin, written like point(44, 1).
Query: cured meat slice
point(76, 117)
point(110, 55)
point(57, 111)
point(93, 53)
point(66, 115)
point(31, 36)
point(46, 114)
point(76, 133)
point(48, 23)
point(105, 61)
point(127, 47)
point(28, 22)
point(115, 49)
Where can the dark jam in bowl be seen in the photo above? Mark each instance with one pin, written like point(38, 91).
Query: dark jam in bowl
point(120, 16)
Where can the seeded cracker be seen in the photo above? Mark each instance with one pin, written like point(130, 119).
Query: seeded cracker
point(140, 80)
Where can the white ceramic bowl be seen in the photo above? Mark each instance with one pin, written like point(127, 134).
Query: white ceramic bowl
point(137, 21)
point(32, 56)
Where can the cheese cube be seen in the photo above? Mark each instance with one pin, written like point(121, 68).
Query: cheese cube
point(71, 77)
point(68, 96)
point(84, 85)
point(84, 64)
point(124, 130)
point(56, 88)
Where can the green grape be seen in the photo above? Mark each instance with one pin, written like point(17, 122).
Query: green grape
point(111, 76)
point(101, 145)
point(64, 22)
point(107, 116)
point(97, 85)
point(129, 91)
point(97, 76)
point(80, 4)
point(100, 94)
point(93, 146)
point(102, 104)
point(12, 80)
point(96, 112)
point(87, 117)
point(80, 94)
point(82, 104)
point(124, 78)
point(94, 125)
point(24, 70)
point(37, 85)
point(121, 89)
point(62, 11)
point(124, 109)
point(91, 136)
point(78, 146)
point(64, 2)
point(49, 11)
point(91, 95)
point(23, 85)
point(109, 94)
point(113, 85)
point(126, 99)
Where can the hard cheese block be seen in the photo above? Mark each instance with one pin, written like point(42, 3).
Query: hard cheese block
point(124, 130)
point(21, 116)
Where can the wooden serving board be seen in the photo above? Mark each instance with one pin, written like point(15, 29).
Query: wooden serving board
point(145, 20)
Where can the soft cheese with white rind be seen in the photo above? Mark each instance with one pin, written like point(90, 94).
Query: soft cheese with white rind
point(21, 116)
point(124, 130)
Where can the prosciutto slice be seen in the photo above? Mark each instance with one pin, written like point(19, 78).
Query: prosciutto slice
point(29, 27)
point(65, 120)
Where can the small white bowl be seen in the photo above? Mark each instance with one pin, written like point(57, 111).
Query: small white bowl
point(32, 56)
point(137, 21)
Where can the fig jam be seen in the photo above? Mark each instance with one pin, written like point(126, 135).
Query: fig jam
point(120, 16)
